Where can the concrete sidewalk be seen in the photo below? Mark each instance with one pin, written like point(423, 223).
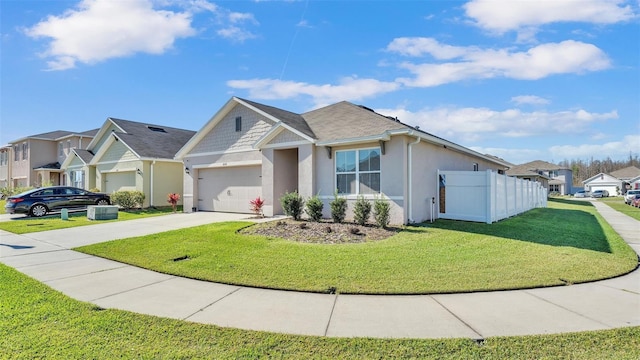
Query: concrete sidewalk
point(46, 257)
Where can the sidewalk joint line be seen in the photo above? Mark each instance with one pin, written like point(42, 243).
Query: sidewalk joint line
point(569, 310)
point(480, 336)
point(132, 289)
point(213, 303)
point(335, 300)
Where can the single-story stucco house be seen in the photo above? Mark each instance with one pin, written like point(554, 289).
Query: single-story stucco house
point(129, 155)
point(248, 150)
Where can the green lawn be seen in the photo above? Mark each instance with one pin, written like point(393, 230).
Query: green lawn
point(2, 203)
point(568, 242)
point(25, 225)
point(37, 322)
point(617, 203)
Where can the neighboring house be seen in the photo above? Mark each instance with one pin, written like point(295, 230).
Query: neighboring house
point(249, 149)
point(128, 155)
point(557, 179)
point(603, 181)
point(523, 172)
point(629, 177)
point(35, 160)
point(5, 171)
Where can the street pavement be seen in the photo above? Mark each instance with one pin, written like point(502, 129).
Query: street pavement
point(46, 256)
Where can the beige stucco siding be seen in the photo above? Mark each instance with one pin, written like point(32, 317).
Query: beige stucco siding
point(392, 166)
point(224, 137)
point(167, 178)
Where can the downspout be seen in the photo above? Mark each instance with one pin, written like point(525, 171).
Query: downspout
point(151, 185)
point(410, 175)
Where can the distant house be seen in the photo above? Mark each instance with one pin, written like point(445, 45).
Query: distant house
point(35, 160)
point(616, 183)
point(248, 149)
point(557, 179)
point(129, 155)
point(629, 177)
point(604, 181)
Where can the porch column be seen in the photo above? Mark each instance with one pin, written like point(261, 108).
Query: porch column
point(267, 182)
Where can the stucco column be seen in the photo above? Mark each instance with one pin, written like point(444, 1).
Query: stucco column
point(267, 182)
point(306, 173)
point(188, 189)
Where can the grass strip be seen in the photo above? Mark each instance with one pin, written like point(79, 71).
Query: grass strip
point(617, 203)
point(24, 225)
point(566, 243)
point(37, 322)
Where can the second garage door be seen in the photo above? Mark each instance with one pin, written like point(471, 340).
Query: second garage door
point(120, 181)
point(229, 189)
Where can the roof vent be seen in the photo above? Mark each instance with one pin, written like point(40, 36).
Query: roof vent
point(156, 129)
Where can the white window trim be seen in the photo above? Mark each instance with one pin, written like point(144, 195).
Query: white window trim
point(357, 172)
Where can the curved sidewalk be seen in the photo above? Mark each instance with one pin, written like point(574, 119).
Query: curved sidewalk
point(46, 257)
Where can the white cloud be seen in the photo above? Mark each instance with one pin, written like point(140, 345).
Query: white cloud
point(475, 63)
point(529, 99)
point(348, 88)
point(98, 30)
point(235, 33)
point(613, 149)
point(503, 16)
point(476, 124)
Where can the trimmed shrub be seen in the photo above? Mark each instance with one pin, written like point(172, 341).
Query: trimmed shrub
point(381, 210)
point(5, 192)
point(128, 199)
point(338, 208)
point(314, 207)
point(361, 210)
point(292, 204)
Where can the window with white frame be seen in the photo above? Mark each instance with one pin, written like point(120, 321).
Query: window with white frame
point(358, 171)
point(25, 151)
point(16, 153)
point(3, 158)
point(60, 149)
point(77, 178)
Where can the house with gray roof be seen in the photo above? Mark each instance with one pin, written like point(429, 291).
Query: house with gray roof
point(35, 160)
point(129, 155)
point(556, 179)
point(616, 183)
point(248, 150)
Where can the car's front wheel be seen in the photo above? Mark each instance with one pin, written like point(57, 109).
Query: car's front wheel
point(38, 210)
point(102, 202)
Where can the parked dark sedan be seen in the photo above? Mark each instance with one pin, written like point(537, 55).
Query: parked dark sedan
point(39, 202)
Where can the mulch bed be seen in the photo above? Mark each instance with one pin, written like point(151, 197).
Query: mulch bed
point(324, 232)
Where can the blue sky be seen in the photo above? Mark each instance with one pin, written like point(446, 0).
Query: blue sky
point(522, 80)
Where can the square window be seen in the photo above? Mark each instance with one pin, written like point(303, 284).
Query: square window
point(358, 171)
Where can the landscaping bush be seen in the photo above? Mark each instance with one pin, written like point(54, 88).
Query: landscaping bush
point(381, 211)
point(292, 204)
point(5, 192)
point(256, 206)
point(128, 199)
point(314, 208)
point(361, 210)
point(338, 208)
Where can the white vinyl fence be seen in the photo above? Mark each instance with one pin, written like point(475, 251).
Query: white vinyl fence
point(486, 196)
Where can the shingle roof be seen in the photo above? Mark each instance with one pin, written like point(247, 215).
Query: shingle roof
point(152, 141)
point(626, 173)
point(331, 122)
point(84, 155)
point(542, 165)
point(523, 170)
point(291, 119)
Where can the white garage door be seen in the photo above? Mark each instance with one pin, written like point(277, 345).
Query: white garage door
point(120, 181)
point(229, 189)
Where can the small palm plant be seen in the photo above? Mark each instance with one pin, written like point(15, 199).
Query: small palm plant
point(173, 199)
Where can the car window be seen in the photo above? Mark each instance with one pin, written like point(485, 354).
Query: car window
point(44, 192)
